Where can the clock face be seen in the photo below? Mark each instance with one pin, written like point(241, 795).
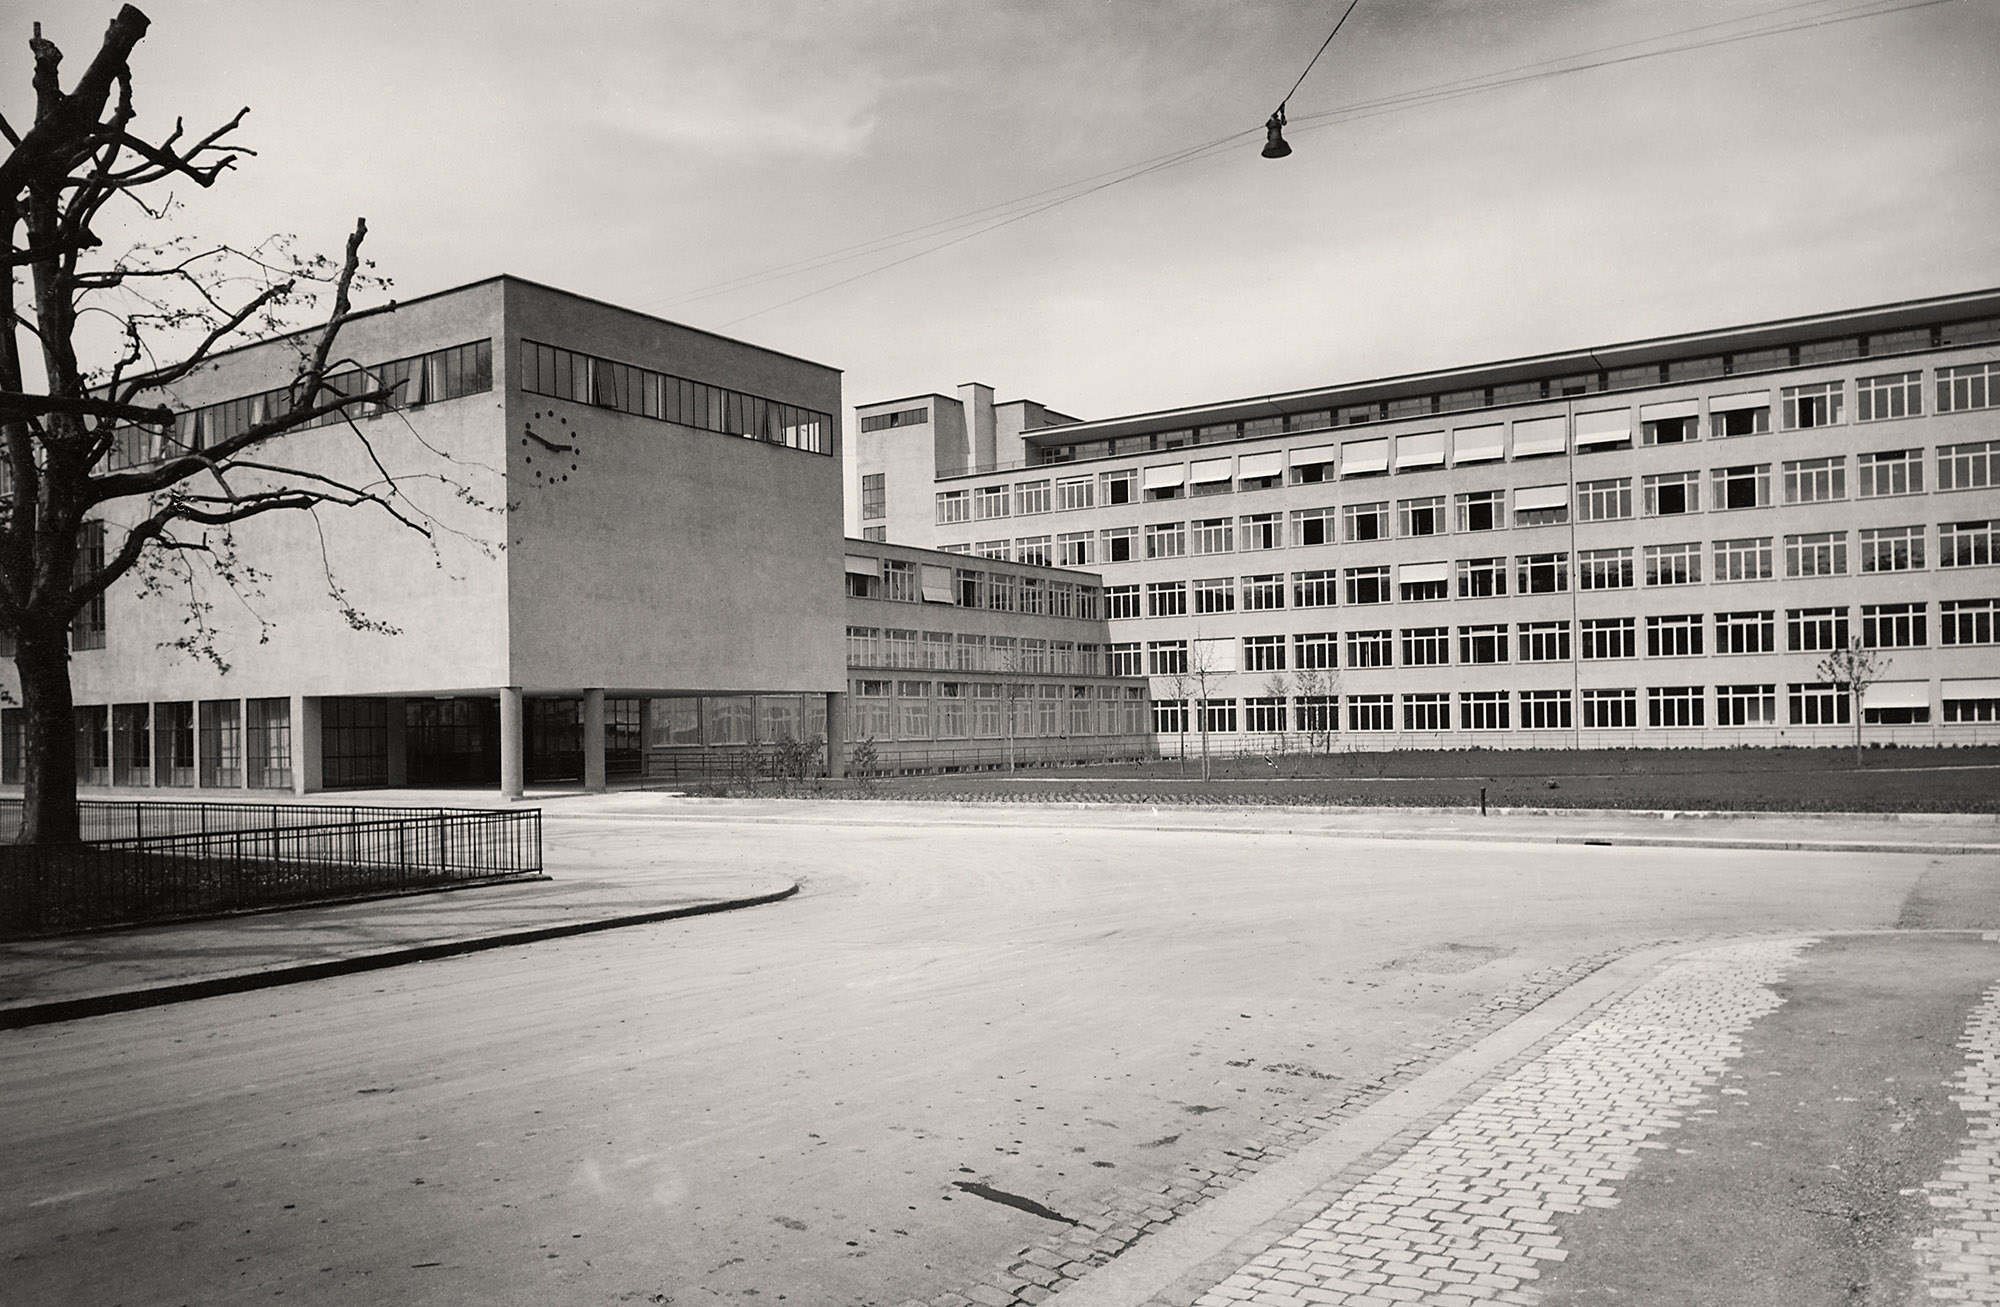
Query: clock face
point(552, 449)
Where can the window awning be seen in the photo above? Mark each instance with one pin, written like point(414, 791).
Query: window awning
point(859, 566)
point(1317, 454)
point(937, 584)
point(1897, 694)
point(1210, 470)
point(1420, 449)
point(1364, 456)
point(1406, 573)
point(1478, 444)
point(1217, 655)
point(1679, 408)
point(1982, 688)
point(1530, 498)
point(1254, 466)
point(1540, 436)
point(1603, 426)
point(1159, 478)
point(1748, 399)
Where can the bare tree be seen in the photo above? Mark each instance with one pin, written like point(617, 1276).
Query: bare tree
point(1852, 670)
point(1180, 686)
point(1316, 685)
point(1279, 686)
point(96, 436)
point(1205, 675)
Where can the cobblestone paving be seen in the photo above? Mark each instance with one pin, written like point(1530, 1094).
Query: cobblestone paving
point(1467, 1213)
point(1961, 1257)
point(1107, 1228)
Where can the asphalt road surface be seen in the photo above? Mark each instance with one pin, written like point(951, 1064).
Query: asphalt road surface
point(783, 1104)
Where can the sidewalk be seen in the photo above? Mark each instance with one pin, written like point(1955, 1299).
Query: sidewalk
point(1770, 1121)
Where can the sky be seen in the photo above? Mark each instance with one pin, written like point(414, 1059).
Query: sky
point(648, 153)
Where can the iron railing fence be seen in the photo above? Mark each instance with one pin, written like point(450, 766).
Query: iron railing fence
point(49, 889)
point(126, 819)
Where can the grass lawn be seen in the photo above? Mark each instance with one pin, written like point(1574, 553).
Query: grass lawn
point(1744, 780)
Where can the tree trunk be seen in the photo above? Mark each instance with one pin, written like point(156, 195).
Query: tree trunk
point(1857, 731)
point(48, 740)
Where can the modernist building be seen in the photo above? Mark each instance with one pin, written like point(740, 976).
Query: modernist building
point(632, 554)
point(1645, 543)
point(956, 663)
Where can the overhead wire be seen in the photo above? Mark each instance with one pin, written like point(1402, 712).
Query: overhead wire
point(978, 222)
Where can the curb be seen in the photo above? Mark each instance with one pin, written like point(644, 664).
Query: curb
point(132, 1000)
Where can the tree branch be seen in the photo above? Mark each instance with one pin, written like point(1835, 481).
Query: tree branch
point(14, 406)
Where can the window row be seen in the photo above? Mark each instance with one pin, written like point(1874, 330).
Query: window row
point(900, 581)
point(214, 743)
point(956, 710)
point(603, 383)
point(870, 646)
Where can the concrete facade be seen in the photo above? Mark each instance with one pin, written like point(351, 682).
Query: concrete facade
point(620, 511)
point(1639, 544)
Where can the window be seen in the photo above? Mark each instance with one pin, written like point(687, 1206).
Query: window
point(1263, 653)
point(1482, 510)
point(900, 648)
point(989, 502)
point(861, 646)
point(1605, 710)
point(1748, 559)
point(879, 534)
point(1817, 553)
point(1166, 540)
point(1371, 712)
point(1674, 705)
point(1215, 594)
point(86, 629)
point(1673, 564)
point(1426, 646)
point(1214, 535)
point(908, 417)
point(1073, 549)
point(873, 496)
point(1121, 487)
point(562, 374)
point(899, 580)
point(1166, 599)
point(1218, 716)
point(1540, 574)
point(1899, 395)
point(1313, 589)
point(1115, 544)
point(1483, 644)
point(1033, 550)
point(1421, 517)
point(1426, 712)
point(1815, 480)
point(1748, 486)
point(1368, 585)
point(1316, 712)
point(1262, 531)
point(1367, 521)
point(1975, 385)
point(1263, 593)
point(1732, 423)
point(1674, 636)
point(1265, 716)
point(914, 700)
point(1971, 466)
point(1746, 633)
point(1892, 549)
point(1545, 710)
point(1890, 472)
point(999, 549)
point(1544, 642)
point(1482, 578)
point(1962, 544)
point(1746, 705)
point(1604, 501)
point(1312, 526)
point(1604, 569)
point(1369, 649)
point(1124, 659)
point(1667, 431)
point(1167, 657)
point(1121, 601)
point(1075, 492)
point(1968, 621)
point(1815, 630)
point(1423, 582)
point(1816, 405)
point(1968, 710)
point(1031, 497)
point(1818, 704)
point(1170, 716)
point(1482, 710)
point(1894, 626)
point(1319, 651)
point(1541, 505)
point(221, 739)
point(1609, 637)
point(1668, 494)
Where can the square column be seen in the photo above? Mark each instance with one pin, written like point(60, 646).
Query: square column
point(593, 742)
point(307, 775)
point(513, 759)
point(836, 734)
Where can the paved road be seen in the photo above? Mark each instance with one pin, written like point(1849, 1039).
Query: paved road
point(955, 1038)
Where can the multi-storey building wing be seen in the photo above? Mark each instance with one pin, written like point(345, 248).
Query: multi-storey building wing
point(1646, 543)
